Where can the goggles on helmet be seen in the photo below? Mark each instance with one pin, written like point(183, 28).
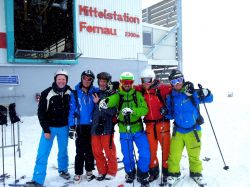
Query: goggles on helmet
point(146, 80)
point(176, 81)
point(86, 78)
point(127, 82)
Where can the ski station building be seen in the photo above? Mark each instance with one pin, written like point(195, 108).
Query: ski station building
point(38, 37)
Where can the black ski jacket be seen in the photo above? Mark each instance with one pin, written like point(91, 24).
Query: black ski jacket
point(53, 107)
point(102, 123)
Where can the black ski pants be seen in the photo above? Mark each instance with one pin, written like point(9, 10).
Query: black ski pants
point(84, 155)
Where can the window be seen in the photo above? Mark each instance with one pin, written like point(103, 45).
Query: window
point(43, 30)
point(147, 38)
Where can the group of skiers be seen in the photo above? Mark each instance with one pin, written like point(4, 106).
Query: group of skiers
point(88, 115)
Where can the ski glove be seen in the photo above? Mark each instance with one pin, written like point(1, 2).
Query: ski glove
point(72, 133)
point(204, 93)
point(188, 88)
point(154, 84)
point(103, 104)
point(127, 111)
point(163, 111)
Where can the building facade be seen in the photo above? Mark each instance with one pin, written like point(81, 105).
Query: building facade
point(39, 37)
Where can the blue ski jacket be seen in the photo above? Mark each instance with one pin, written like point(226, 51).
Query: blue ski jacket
point(85, 109)
point(183, 111)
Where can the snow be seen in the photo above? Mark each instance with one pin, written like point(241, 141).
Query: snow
point(209, 58)
point(230, 117)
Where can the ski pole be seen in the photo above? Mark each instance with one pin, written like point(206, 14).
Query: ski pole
point(127, 121)
point(201, 91)
point(3, 158)
point(162, 149)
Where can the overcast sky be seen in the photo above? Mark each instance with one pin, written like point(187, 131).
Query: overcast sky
point(216, 42)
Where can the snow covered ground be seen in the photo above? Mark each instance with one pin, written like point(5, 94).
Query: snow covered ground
point(230, 117)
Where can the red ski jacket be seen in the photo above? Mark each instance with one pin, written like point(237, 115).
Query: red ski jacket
point(153, 101)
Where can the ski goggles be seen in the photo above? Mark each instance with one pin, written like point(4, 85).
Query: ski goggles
point(176, 81)
point(127, 82)
point(86, 78)
point(146, 80)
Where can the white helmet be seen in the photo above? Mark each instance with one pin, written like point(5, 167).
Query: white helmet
point(148, 73)
point(61, 72)
point(127, 76)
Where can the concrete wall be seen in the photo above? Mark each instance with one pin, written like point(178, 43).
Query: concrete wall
point(35, 78)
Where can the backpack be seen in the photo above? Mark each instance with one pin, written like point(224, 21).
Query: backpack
point(121, 101)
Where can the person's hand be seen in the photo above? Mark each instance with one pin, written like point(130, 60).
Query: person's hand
point(154, 84)
point(103, 104)
point(188, 88)
point(127, 111)
point(72, 133)
point(203, 93)
point(163, 111)
point(95, 98)
point(47, 135)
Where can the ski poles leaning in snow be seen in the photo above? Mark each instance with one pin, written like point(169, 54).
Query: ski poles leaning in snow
point(201, 91)
point(3, 121)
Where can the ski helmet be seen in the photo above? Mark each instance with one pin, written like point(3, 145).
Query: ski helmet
point(127, 76)
point(104, 76)
point(175, 74)
point(88, 73)
point(61, 72)
point(148, 73)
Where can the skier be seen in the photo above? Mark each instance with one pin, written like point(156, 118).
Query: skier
point(157, 127)
point(53, 110)
point(102, 132)
point(80, 120)
point(131, 107)
point(183, 108)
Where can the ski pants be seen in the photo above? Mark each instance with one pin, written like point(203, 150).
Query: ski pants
point(158, 132)
point(106, 163)
point(84, 155)
point(178, 142)
point(127, 148)
point(44, 149)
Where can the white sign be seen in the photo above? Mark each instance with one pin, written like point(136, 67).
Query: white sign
point(109, 29)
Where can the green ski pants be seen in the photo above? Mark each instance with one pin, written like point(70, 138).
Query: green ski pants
point(178, 142)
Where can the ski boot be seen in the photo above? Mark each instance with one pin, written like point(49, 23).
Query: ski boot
point(90, 176)
point(153, 174)
point(100, 177)
point(64, 175)
point(130, 177)
point(33, 184)
point(198, 178)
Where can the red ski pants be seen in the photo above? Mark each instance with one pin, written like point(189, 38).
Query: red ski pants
point(160, 134)
point(106, 163)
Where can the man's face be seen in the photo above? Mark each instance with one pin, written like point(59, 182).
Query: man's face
point(86, 81)
point(103, 84)
point(177, 83)
point(127, 84)
point(146, 82)
point(61, 81)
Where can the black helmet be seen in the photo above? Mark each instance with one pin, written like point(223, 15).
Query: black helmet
point(104, 76)
point(88, 73)
point(175, 74)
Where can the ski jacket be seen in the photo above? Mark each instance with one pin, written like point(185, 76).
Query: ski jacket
point(53, 107)
point(183, 111)
point(81, 113)
point(139, 109)
point(103, 117)
point(153, 101)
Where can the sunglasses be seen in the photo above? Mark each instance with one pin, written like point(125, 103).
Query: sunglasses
point(86, 78)
point(127, 82)
point(176, 81)
point(146, 80)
